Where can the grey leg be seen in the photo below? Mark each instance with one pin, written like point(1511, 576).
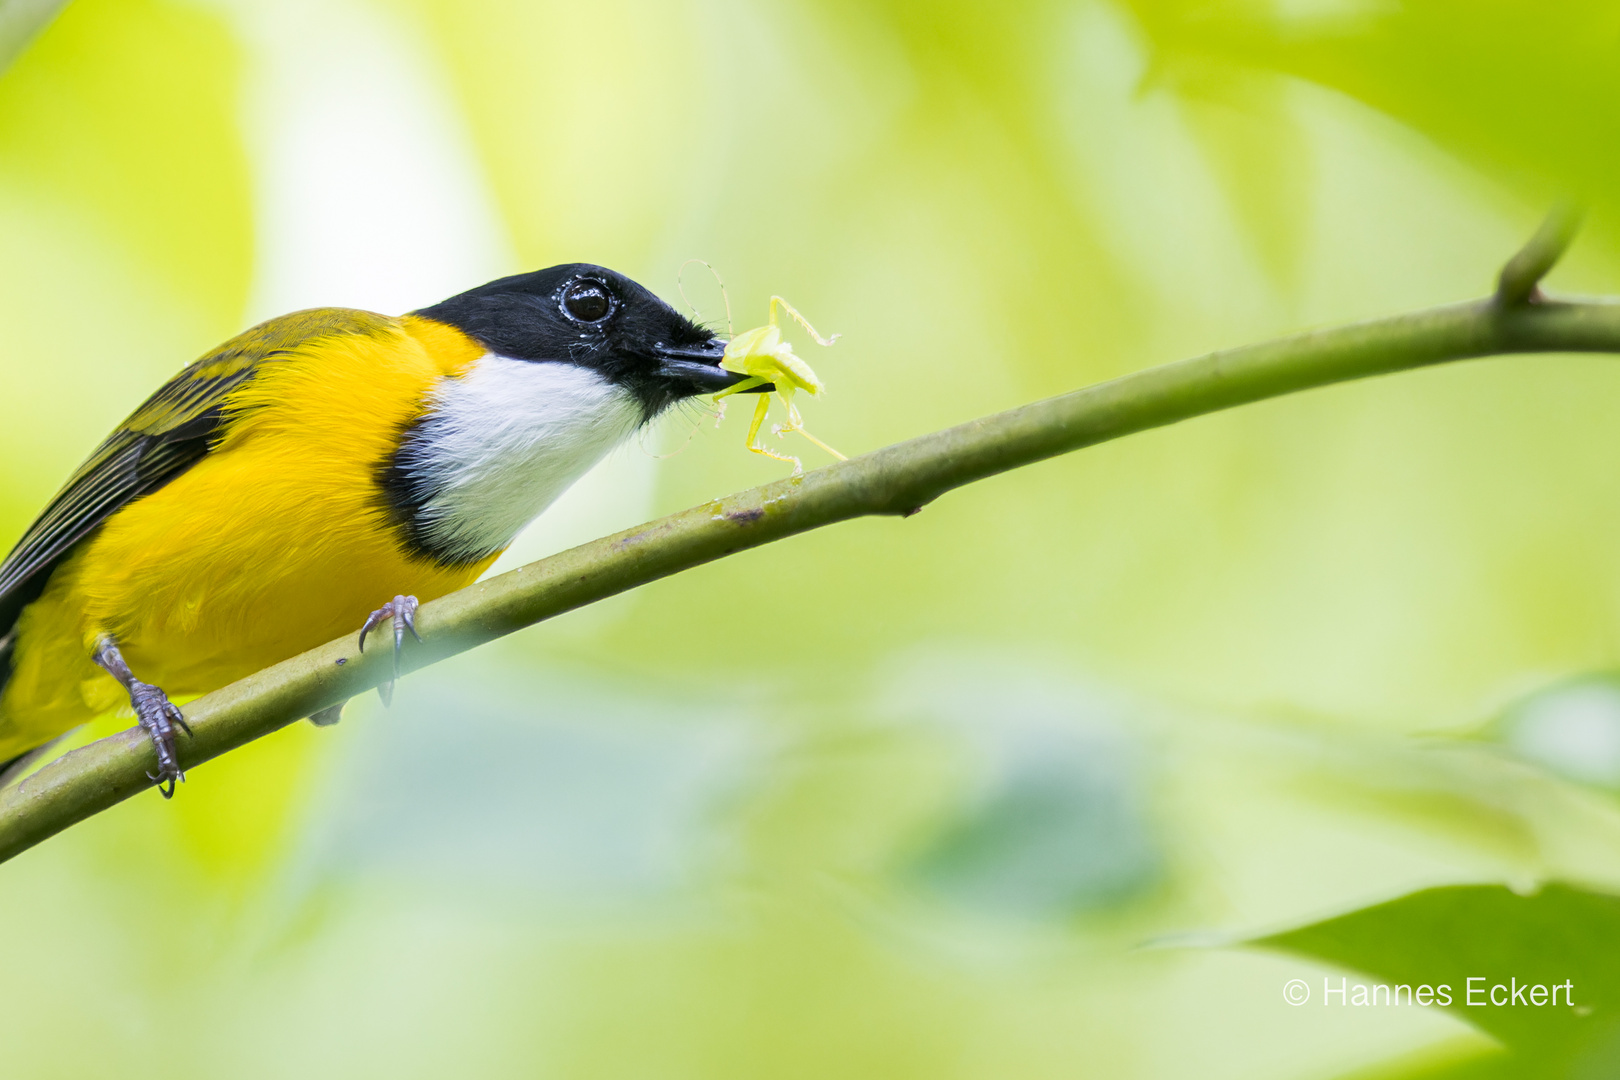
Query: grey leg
point(157, 715)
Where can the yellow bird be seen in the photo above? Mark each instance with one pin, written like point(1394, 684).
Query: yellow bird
point(267, 498)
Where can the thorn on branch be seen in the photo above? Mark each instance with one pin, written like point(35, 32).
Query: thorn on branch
point(1520, 278)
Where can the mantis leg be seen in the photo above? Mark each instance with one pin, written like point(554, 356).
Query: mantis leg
point(760, 448)
point(796, 423)
point(747, 384)
point(777, 301)
point(821, 444)
point(758, 422)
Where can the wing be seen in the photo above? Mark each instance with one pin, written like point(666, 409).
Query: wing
point(169, 433)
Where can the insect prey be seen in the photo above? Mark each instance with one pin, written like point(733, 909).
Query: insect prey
point(766, 358)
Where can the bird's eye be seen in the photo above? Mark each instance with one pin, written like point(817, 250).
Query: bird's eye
point(588, 301)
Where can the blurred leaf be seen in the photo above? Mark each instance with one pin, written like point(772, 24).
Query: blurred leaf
point(20, 20)
point(1447, 936)
point(1050, 817)
point(1526, 92)
point(589, 150)
point(1571, 728)
point(1059, 834)
point(550, 786)
point(1469, 1064)
point(1258, 150)
point(125, 111)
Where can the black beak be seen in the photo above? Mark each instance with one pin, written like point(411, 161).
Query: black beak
point(698, 367)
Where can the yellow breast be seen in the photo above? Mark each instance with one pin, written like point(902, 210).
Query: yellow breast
point(275, 542)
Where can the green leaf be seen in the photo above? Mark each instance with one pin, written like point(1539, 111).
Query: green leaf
point(1491, 941)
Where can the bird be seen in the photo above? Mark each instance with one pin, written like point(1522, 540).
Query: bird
point(324, 471)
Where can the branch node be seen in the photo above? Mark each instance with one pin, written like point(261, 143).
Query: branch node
point(1521, 277)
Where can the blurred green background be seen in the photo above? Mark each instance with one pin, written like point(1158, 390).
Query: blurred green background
point(996, 791)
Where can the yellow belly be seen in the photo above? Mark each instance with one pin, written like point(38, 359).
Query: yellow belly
point(274, 543)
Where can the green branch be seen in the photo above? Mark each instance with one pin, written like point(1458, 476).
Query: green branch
point(1518, 282)
point(896, 480)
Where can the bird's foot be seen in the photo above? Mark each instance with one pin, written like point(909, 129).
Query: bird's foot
point(158, 716)
point(402, 610)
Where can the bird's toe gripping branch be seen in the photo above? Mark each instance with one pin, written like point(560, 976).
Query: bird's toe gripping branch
point(159, 717)
point(402, 610)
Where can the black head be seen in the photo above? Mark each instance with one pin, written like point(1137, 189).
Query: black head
point(598, 319)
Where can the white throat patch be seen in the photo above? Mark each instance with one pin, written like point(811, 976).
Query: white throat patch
point(503, 441)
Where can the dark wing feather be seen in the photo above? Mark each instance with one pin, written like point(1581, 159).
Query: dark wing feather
point(165, 436)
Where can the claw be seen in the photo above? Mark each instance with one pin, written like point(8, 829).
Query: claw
point(409, 618)
point(402, 610)
point(371, 622)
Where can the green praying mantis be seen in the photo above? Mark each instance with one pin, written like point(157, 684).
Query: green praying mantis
point(766, 358)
